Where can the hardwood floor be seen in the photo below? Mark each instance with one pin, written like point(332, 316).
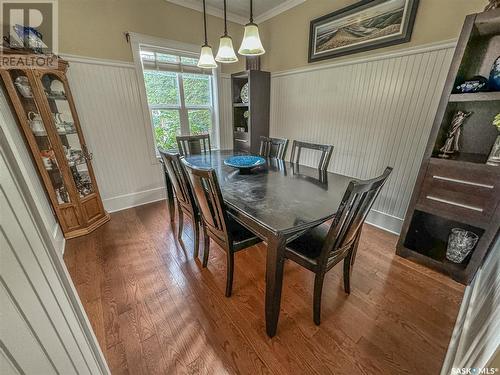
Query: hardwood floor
point(154, 310)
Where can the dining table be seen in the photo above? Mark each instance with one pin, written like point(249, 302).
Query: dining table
point(278, 201)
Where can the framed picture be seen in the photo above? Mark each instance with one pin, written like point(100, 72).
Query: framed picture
point(363, 26)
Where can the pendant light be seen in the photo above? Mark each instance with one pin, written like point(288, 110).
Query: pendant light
point(226, 54)
point(206, 56)
point(251, 44)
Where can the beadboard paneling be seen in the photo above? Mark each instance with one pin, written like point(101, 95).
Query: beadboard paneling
point(377, 113)
point(44, 328)
point(109, 106)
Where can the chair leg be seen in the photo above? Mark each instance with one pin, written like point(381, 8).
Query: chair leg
point(196, 229)
point(318, 288)
point(229, 273)
point(348, 260)
point(206, 247)
point(180, 226)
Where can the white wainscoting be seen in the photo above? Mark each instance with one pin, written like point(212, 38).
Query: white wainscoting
point(476, 336)
point(376, 113)
point(109, 107)
point(44, 327)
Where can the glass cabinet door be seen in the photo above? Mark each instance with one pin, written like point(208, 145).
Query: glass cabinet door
point(75, 152)
point(38, 127)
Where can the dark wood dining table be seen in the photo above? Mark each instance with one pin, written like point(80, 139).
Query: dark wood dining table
point(277, 201)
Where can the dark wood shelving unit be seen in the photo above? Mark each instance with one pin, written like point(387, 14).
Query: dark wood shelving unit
point(250, 120)
point(461, 191)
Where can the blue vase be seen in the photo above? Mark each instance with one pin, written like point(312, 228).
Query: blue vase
point(494, 81)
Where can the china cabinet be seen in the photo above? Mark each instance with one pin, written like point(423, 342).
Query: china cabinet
point(46, 113)
point(459, 189)
point(251, 101)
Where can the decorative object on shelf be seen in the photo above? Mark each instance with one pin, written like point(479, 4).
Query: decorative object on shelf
point(48, 158)
point(460, 244)
point(23, 85)
point(494, 81)
point(451, 145)
point(475, 84)
point(494, 158)
point(36, 124)
point(62, 195)
point(251, 44)
point(245, 162)
point(226, 54)
point(244, 93)
point(246, 115)
point(206, 55)
point(493, 4)
point(362, 26)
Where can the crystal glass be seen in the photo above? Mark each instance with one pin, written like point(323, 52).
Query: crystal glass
point(460, 244)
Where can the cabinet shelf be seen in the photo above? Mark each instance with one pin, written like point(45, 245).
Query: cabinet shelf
point(475, 97)
point(240, 105)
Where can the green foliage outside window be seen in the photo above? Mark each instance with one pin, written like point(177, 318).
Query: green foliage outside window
point(162, 89)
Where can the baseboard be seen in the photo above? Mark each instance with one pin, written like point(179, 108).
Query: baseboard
point(58, 239)
point(122, 202)
point(385, 221)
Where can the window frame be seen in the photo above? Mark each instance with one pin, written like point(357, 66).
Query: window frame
point(138, 41)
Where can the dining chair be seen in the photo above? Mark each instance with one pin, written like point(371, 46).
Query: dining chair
point(193, 144)
point(321, 248)
point(218, 225)
point(273, 147)
point(326, 152)
point(183, 195)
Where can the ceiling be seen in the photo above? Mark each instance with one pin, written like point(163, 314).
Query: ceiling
point(239, 10)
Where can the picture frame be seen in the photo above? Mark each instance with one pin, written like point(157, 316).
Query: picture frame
point(363, 26)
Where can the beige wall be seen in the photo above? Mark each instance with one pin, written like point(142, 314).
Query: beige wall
point(95, 28)
point(286, 36)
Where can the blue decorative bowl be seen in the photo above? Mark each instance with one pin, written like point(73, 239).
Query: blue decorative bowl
point(244, 162)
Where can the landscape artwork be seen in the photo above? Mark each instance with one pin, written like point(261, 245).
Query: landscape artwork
point(365, 25)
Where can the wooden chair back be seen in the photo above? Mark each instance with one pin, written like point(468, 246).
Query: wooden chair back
point(207, 193)
point(193, 144)
point(326, 153)
point(356, 204)
point(273, 147)
point(179, 179)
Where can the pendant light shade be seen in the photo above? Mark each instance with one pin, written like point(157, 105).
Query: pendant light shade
point(206, 56)
point(251, 44)
point(226, 51)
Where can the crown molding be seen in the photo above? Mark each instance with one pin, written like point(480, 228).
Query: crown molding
point(213, 11)
point(273, 12)
point(193, 4)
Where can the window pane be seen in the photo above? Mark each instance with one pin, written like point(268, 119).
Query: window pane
point(149, 56)
point(163, 57)
point(196, 89)
point(167, 126)
point(161, 87)
point(200, 121)
point(188, 60)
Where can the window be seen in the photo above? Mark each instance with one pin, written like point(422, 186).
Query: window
point(180, 96)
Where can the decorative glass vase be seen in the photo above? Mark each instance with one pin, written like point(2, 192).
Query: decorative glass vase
point(494, 81)
point(460, 244)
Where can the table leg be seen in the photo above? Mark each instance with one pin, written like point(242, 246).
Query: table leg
point(170, 195)
point(274, 281)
